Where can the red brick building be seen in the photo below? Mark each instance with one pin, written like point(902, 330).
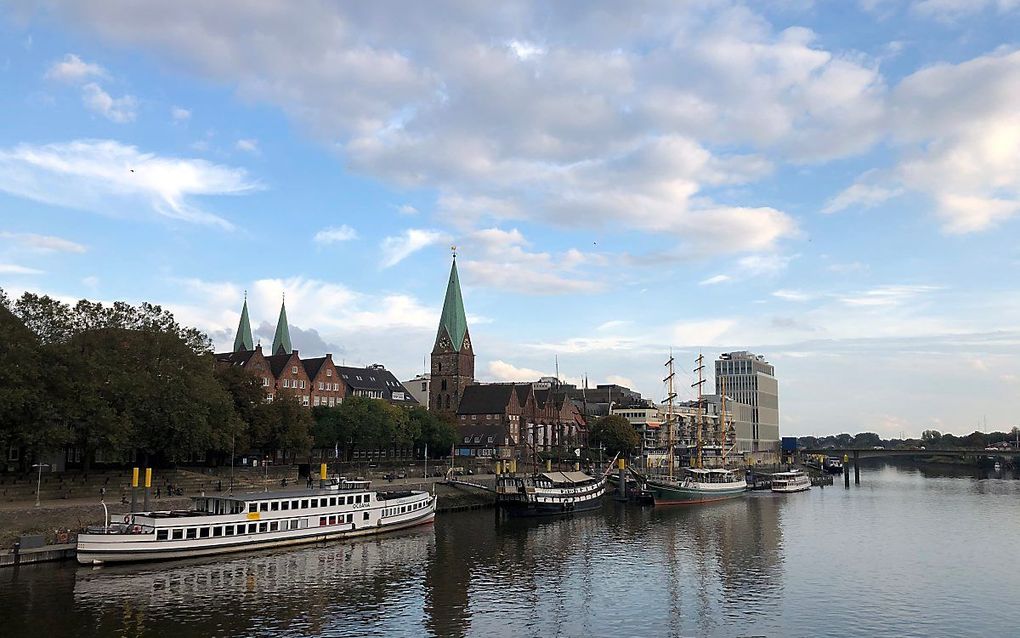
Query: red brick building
point(327, 388)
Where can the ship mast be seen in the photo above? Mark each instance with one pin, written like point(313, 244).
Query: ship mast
point(700, 382)
point(722, 419)
point(670, 397)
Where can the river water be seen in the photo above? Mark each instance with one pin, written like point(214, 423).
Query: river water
point(910, 552)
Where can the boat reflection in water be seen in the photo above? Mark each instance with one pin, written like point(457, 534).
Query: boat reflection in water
point(329, 588)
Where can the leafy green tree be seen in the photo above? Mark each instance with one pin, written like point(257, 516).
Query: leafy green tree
point(434, 431)
point(867, 439)
point(247, 394)
point(283, 425)
point(615, 433)
point(931, 437)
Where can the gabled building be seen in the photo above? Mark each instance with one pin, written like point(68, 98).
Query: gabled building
point(327, 387)
point(453, 360)
point(375, 382)
point(251, 360)
point(290, 376)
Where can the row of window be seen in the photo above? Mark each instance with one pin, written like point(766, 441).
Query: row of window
point(478, 439)
point(330, 401)
point(217, 531)
point(328, 386)
point(294, 383)
point(403, 509)
point(306, 503)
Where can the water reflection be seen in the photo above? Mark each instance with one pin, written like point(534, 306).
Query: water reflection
point(852, 561)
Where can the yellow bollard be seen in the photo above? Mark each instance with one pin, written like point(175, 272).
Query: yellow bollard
point(148, 477)
point(498, 467)
point(548, 465)
point(322, 471)
point(621, 463)
point(134, 477)
point(513, 466)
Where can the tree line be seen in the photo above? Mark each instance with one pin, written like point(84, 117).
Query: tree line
point(930, 439)
point(129, 383)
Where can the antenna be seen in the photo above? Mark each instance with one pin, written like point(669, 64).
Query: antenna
point(557, 357)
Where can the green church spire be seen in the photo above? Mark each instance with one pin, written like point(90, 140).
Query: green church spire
point(453, 319)
point(243, 340)
point(281, 341)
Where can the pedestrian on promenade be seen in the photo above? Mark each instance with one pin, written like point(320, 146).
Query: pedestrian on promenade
point(102, 493)
point(157, 491)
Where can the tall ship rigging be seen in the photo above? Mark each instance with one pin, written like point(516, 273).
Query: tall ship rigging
point(696, 483)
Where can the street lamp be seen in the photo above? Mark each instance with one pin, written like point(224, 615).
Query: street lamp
point(38, 483)
point(265, 464)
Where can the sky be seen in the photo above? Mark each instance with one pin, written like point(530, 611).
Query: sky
point(834, 185)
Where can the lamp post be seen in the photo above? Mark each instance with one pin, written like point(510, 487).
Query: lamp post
point(38, 482)
point(265, 464)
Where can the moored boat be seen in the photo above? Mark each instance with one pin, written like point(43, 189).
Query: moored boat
point(792, 481)
point(697, 485)
point(549, 493)
point(256, 520)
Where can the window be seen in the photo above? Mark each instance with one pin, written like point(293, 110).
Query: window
point(251, 528)
point(161, 535)
point(264, 507)
point(190, 533)
point(490, 439)
point(274, 526)
point(304, 399)
point(286, 383)
point(263, 527)
point(265, 382)
point(424, 386)
point(275, 505)
point(365, 517)
point(322, 521)
point(332, 501)
point(467, 439)
point(294, 524)
point(315, 502)
point(332, 520)
point(293, 369)
point(228, 530)
point(302, 384)
point(350, 500)
point(178, 534)
point(293, 505)
point(203, 532)
point(253, 507)
point(329, 373)
point(304, 503)
point(217, 531)
point(285, 505)
point(321, 384)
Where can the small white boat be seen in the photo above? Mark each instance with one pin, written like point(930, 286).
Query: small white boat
point(256, 520)
point(792, 481)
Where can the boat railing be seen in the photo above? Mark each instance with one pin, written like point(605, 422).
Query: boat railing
point(120, 528)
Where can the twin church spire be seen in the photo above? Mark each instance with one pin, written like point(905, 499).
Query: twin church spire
point(281, 340)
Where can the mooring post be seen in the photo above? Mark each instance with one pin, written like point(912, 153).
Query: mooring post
point(846, 471)
point(857, 467)
point(148, 488)
point(134, 490)
point(622, 464)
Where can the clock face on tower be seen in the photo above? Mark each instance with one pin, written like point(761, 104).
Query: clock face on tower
point(444, 342)
point(467, 343)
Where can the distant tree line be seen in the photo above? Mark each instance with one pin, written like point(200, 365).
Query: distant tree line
point(130, 383)
point(930, 439)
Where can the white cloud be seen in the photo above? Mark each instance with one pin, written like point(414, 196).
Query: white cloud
point(15, 269)
point(860, 194)
point(626, 382)
point(396, 249)
point(90, 282)
point(525, 50)
point(333, 235)
point(887, 295)
point(180, 114)
point(247, 145)
point(614, 324)
point(792, 295)
point(73, 69)
point(43, 243)
point(715, 279)
point(407, 209)
point(499, 258)
point(120, 110)
point(108, 177)
point(764, 265)
point(503, 371)
point(701, 333)
point(949, 10)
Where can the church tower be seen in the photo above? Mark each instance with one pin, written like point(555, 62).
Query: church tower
point(243, 341)
point(281, 340)
point(453, 360)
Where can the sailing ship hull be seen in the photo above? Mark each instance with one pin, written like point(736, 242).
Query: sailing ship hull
point(679, 495)
point(526, 508)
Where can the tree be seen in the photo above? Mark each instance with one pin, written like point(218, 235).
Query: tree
point(283, 425)
point(867, 439)
point(615, 433)
point(434, 431)
point(247, 394)
point(931, 437)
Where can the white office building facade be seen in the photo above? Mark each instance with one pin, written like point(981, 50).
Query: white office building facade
point(750, 379)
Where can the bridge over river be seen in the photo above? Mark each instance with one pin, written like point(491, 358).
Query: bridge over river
point(858, 453)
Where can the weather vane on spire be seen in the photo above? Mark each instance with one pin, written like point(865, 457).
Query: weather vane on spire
point(453, 249)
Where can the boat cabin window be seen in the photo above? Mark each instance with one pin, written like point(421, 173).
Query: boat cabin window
point(190, 533)
point(252, 527)
point(253, 507)
point(178, 534)
point(285, 505)
point(274, 506)
point(264, 507)
point(293, 505)
point(294, 524)
point(332, 501)
point(263, 527)
point(365, 517)
point(304, 504)
point(203, 532)
point(217, 531)
point(315, 502)
point(161, 535)
point(228, 530)
point(322, 521)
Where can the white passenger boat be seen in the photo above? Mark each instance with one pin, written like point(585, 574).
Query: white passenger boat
point(792, 481)
point(256, 520)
